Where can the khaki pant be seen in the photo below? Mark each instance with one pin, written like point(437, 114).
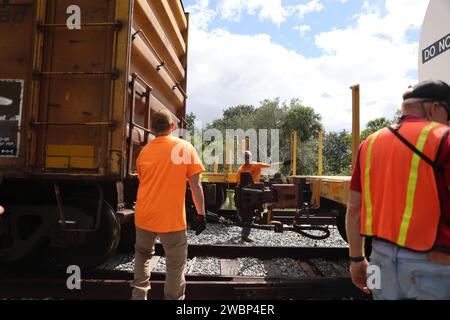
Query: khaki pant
point(175, 247)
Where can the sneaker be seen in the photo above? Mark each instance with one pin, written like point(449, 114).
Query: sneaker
point(247, 239)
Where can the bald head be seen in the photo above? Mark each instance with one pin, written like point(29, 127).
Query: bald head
point(1, 210)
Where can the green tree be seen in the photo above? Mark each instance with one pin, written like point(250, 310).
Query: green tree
point(375, 125)
point(307, 123)
point(337, 153)
point(190, 121)
point(302, 119)
point(237, 117)
point(286, 117)
point(270, 114)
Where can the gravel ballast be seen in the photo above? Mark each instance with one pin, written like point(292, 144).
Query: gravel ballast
point(251, 267)
point(219, 234)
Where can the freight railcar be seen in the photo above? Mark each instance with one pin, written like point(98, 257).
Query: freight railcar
point(79, 81)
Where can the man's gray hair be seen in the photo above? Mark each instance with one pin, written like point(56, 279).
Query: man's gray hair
point(416, 104)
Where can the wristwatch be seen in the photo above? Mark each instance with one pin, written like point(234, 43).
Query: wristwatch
point(357, 259)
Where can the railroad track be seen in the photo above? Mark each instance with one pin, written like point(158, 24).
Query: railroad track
point(325, 277)
point(116, 286)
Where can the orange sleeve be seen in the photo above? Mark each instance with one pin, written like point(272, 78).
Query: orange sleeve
point(195, 166)
point(264, 165)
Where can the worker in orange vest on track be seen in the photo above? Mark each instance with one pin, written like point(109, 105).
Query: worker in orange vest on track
point(400, 196)
point(254, 168)
point(164, 166)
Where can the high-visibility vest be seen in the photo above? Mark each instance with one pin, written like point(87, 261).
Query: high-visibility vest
point(400, 199)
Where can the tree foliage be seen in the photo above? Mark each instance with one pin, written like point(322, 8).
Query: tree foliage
point(292, 116)
point(373, 126)
point(190, 121)
point(240, 116)
point(302, 119)
point(337, 153)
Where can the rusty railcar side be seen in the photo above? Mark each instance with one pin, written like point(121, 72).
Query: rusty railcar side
point(79, 81)
point(75, 112)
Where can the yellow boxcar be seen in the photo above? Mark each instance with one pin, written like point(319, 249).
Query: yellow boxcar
point(79, 80)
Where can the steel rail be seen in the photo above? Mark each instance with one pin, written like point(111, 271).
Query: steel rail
point(260, 252)
point(198, 288)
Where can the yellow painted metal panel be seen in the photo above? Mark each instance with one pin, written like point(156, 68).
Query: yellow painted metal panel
point(57, 163)
point(144, 59)
point(70, 151)
point(332, 188)
point(146, 20)
point(120, 94)
point(82, 163)
point(178, 12)
point(219, 177)
point(170, 25)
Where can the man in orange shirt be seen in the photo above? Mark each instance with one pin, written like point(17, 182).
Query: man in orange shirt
point(255, 169)
point(164, 167)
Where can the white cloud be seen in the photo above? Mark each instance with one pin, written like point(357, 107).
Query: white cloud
point(201, 15)
point(228, 69)
point(312, 6)
point(303, 29)
point(272, 10)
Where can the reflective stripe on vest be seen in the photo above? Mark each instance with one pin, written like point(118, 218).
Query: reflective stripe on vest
point(367, 194)
point(412, 183)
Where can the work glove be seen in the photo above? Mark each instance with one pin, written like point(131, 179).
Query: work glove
point(200, 225)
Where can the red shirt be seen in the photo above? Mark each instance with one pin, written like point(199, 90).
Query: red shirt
point(443, 184)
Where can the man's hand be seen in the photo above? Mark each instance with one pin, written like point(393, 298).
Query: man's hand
point(201, 224)
point(358, 272)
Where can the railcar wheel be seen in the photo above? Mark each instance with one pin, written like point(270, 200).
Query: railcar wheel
point(83, 248)
point(340, 223)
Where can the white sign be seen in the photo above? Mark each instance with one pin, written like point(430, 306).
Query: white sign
point(434, 53)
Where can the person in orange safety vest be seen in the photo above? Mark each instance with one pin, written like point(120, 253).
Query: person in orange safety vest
point(400, 197)
point(254, 168)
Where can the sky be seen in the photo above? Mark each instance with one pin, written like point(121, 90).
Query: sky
point(245, 51)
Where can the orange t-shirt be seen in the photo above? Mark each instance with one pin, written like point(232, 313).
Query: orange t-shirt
point(254, 169)
point(163, 167)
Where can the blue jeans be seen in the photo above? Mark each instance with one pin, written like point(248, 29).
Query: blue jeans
point(246, 232)
point(408, 275)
